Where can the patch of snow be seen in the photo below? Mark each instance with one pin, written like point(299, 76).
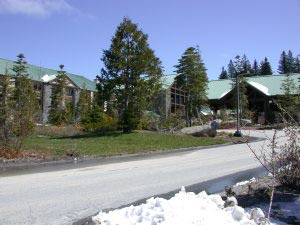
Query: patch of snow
point(282, 211)
point(47, 78)
point(260, 87)
point(257, 215)
point(238, 213)
point(231, 201)
point(185, 208)
point(245, 182)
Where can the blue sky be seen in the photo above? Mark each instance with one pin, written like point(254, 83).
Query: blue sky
point(74, 32)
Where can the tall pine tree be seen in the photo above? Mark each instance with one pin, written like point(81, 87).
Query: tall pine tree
point(132, 73)
point(290, 61)
point(245, 65)
point(83, 106)
point(297, 64)
point(25, 101)
point(58, 113)
point(6, 108)
point(193, 79)
point(283, 66)
point(288, 100)
point(223, 74)
point(265, 67)
point(231, 70)
point(255, 68)
point(238, 65)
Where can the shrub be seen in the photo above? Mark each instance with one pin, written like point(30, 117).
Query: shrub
point(172, 123)
point(149, 121)
point(97, 120)
point(288, 159)
point(58, 131)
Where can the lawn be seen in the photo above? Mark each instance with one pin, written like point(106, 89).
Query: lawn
point(115, 143)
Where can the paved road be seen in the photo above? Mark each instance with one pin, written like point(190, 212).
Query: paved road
point(63, 197)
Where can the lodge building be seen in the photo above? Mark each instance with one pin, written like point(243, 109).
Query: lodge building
point(44, 80)
point(262, 91)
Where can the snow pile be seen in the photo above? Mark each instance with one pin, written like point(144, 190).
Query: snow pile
point(245, 182)
point(182, 209)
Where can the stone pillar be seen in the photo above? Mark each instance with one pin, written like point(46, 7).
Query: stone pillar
point(167, 102)
point(75, 99)
point(76, 96)
point(46, 102)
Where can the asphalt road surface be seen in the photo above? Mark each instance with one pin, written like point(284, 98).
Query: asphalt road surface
point(63, 197)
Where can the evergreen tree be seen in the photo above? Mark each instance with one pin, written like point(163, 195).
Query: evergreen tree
point(25, 103)
point(132, 73)
point(245, 65)
point(83, 105)
point(193, 79)
point(288, 100)
point(241, 69)
point(290, 61)
point(297, 64)
point(58, 113)
point(223, 74)
point(283, 67)
point(265, 67)
point(255, 68)
point(231, 70)
point(6, 108)
point(238, 65)
point(244, 103)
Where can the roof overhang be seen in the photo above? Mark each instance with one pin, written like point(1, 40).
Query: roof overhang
point(260, 87)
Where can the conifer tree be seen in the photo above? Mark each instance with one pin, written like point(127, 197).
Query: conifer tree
point(265, 67)
point(283, 67)
point(6, 108)
point(193, 79)
point(58, 113)
point(132, 74)
point(245, 64)
point(288, 100)
point(231, 70)
point(223, 74)
point(25, 103)
point(255, 68)
point(83, 105)
point(239, 69)
point(297, 64)
point(243, 98)
point(238, 65)
point(290, 62)
point(244, 104)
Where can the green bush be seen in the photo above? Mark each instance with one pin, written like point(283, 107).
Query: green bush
point(172, 123)
point(149, 121)
point(97, 120)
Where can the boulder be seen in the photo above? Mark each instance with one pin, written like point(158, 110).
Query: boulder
point(214, 124)
point(200, 131)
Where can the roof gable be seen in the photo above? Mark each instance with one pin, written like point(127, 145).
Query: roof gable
point(269, 85)
point(217, 89)
point(42, 74)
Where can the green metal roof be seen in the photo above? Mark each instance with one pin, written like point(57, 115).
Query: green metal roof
point(269, 85)
point(36, 73)
point(167, 80)
point(217, 89)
